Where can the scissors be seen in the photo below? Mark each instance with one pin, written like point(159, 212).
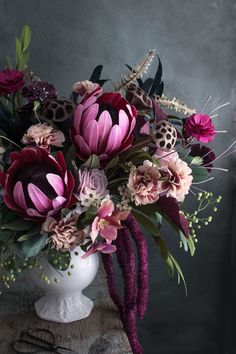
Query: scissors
point(32, 342)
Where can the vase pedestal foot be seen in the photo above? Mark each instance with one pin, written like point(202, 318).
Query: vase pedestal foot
point(63, 308)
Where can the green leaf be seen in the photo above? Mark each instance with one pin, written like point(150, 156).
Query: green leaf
point(199, 173)
point(92, 162)
point(5, 235)
point(18, 225)
point(70, 156)
point(33, 246)
point(148, 221)
point(9, 63)
point(85, 219)
point(59, 260)
point(191, 245)
point(171, 262)
point(25, 37)
point(197, 160)
point(137, 156)
point(35, 230)
point(24, 60)
point(179, 273)
point(18, 53)
point(112, 163)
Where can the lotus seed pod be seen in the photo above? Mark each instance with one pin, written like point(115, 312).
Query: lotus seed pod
point(166, 135)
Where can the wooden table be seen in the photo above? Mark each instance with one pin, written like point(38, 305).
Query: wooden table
point(101, 332)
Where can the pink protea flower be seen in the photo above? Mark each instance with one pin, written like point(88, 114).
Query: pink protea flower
point(63, 234)
point(37, 185)
point(11, 81)
point(43, 135)
point(86, 87)
point(179, 178)
point(92, 187)
point(103, 126)
point(200, 127)
point(145, 183)
point(107, 221)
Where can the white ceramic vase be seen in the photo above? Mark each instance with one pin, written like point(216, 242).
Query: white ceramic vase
point(63, 301)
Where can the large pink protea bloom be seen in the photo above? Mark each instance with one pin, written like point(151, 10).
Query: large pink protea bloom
point(37, 185)
point(103, 126)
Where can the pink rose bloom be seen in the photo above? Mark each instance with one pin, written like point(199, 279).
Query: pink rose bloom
point(144, 183)
point(179, 176)
point(43, 135)
point(63, 234)
point(86, 87)
point(107, 221)
point(200, 127)
point(11, 81)
point(92, 186)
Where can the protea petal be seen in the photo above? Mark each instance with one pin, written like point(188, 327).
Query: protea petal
point(89, 101)
point(89, 114)
point(39, 199)
point(33, 213)
point(18, 195)
point(84, 150)
point(56, 182)
point(104, 128)
point(114, 140)
point(123, 123)
point(77, 118)
point(58, 202)
point(91, 135)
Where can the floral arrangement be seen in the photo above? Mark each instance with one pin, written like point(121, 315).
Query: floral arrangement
point(95, 170)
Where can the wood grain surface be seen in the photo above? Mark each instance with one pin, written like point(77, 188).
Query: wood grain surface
point(101, 332)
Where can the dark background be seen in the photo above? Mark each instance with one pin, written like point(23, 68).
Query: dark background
point(196, 42)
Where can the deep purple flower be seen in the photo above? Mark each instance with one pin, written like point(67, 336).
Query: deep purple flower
point(199, 126)
point(11, 81)
point(40, 91)
point(37, 185)
point(205, 153)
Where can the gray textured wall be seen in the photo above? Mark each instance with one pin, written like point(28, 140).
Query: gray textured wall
point(196, 42)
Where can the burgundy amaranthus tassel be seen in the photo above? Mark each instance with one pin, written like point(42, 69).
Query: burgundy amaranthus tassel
point(110, 273)
point(143, 273)
point(126, 259)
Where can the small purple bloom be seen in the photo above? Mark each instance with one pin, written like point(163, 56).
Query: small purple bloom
point(40, 91)
point(11, 81)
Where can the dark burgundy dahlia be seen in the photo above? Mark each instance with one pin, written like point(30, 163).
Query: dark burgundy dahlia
point(11, 81)
point(207, 155)
point(37, 185)
point(103, 126)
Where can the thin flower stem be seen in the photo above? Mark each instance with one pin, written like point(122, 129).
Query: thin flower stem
point(206, 180)
point(10, 141)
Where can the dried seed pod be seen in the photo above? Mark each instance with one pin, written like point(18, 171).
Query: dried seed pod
point(166, 135)
point(58, 110)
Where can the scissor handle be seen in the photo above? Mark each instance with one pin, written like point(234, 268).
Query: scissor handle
point(33, 344)
point(32, 334)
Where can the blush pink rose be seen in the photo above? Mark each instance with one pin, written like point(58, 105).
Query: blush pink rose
point(200, 126)
point(144, 183)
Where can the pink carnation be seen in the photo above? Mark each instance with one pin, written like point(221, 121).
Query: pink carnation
point(43, 135)
point(200, 127)
point(144, 183)
point(63, 234)
point(86, 87)
point(179, 178)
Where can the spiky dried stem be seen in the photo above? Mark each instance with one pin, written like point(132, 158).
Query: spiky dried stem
point(138, 70)
point(175, 105)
